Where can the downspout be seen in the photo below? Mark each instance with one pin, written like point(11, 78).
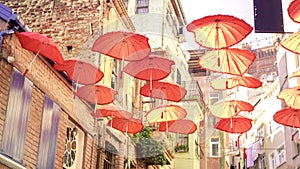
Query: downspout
point(2, 34)
point(163, 25)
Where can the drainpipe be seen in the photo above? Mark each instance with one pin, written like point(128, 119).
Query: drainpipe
point(2, 34)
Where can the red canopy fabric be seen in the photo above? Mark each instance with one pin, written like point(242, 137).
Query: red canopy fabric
point(80, 71)
point(132, 125)
point(181, 126)
point(165, 113)
point(234, 124)
point(123, 45)
point(111, 111)
point(163, 90)
point(96, 94)
point(294, 11)
point(288, 117)
point(231, 82)
point(151, 68)
point(219, 31)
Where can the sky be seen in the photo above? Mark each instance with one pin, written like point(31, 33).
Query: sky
point(243, 9)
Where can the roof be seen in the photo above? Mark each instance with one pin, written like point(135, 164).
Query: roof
point(8, 15)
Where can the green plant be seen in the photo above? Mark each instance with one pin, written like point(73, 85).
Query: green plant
point(151, 151)
point(181, 148)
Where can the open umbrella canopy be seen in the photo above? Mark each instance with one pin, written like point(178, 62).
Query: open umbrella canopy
point(229, 108)
point(132, 125)
point(111, 111)
point(288, 117)
point(294, 10)
point(40, 44)
point(151, 68)
point(295, 74)
point(96, 94)
point(291, 97)
point(234, 124)
point(231, 82)
point(219, 31)
point(180, 126)
point(123, 45)
point(80, 71)
point(163, 90)
point(230, 61)
point(165, 113)
point(291, 43)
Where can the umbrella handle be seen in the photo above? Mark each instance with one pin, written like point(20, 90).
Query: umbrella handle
point(27, 69)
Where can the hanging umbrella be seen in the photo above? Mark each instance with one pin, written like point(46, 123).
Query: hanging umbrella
point(231, 82)
point(163, 90)
point(111, 111)
point(80, 71)
point(229, 108)
point(165, 113)
point(96, 94)
point(40, 44)
point(295, 74)
point(291, 43)
point(123, 45)
point(151, 68)
point(132, 125)
point(291, 97)
point(219, 31)
point(288, 117)
point(230, 61)
point(294, 11)
point(181, 126)
point(234, 124)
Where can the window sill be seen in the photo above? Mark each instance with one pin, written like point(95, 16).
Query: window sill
point(281, 164)
point(10, 163)
point(295, 156)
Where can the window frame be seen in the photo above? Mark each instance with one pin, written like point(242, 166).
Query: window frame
point(13, 145)
point(212, 143)
point(144, 4)
point(48, 138)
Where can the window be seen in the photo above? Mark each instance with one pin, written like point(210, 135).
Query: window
point(281, 155)
point(47, 145)
point(272, 161)
point(109, 161)
point(213, 98)
point(74, 144)
point(16, 118)
point(298, 148)
point(215, 147)
point(142, 6)
point(182, 143)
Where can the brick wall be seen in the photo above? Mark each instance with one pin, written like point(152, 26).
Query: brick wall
point(68, 22)
point(5, 76)
point(46, 81)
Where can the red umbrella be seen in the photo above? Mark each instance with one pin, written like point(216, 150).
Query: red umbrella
point(234, 124)
point(294, 10)
point(288, 117)
point(231, 82)
point(80, 71)
point(111, 111)
point(151, 68)
point(163, 90)
point(40, 44)
point(122, 45)
point(96, 94)
point(291, 43)
point(231, 61)
point(291, 97)
point(180, 126)
point(219, 31)
point(229, 108)
point(132, 125)
point(165, 113)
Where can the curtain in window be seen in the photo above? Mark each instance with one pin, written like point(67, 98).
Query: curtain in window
point(16, 116)
point(47, 146)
